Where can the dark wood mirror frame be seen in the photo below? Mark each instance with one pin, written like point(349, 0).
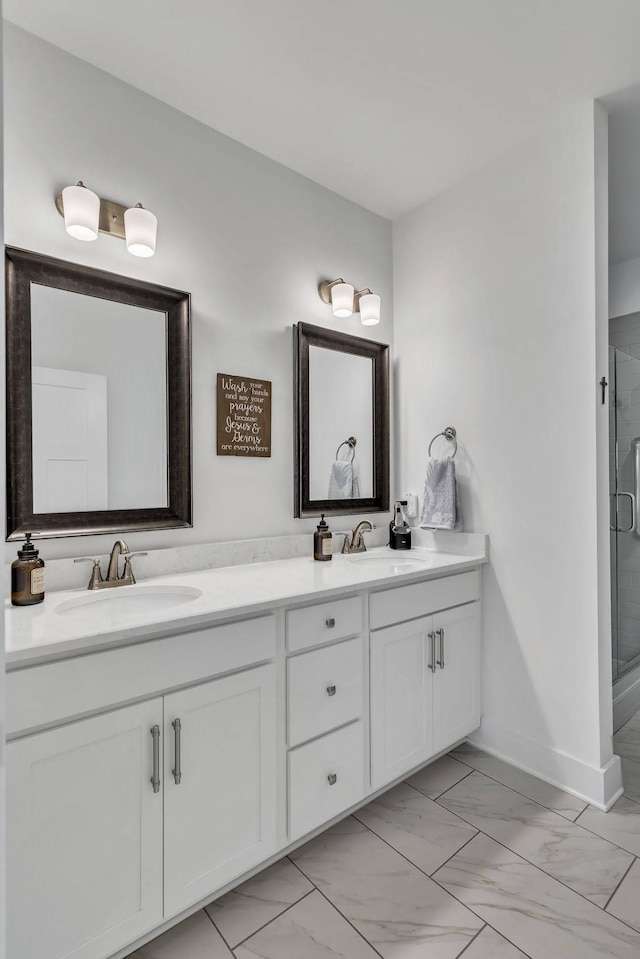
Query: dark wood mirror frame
point(24, 268)
point(304, 336)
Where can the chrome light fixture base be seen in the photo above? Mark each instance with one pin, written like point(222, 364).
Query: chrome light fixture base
point(324, 289)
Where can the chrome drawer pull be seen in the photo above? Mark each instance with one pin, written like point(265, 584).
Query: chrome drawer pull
point(330, 623)
point(333, 779)
point(331, 690)
point(440, 633)
point(155, 775)
point(432, 653)
point(177, 772)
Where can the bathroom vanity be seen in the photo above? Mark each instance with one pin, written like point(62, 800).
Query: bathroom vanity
point(160, 752)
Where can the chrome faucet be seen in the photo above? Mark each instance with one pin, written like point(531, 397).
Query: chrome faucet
point(354, 542)
point(119, 549)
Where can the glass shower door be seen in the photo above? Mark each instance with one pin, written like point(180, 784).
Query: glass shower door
point(624, 377)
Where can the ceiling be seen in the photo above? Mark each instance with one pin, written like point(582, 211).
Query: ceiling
point(386, 102)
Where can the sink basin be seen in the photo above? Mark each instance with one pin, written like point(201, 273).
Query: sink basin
point(122, 602)
point(391, 558)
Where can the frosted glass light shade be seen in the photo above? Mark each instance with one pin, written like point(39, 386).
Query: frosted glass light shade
point(140, 228)
point(81, 212)
point(342, 299)
point(369, 309)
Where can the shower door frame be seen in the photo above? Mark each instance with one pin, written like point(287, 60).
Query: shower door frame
point(629, 526)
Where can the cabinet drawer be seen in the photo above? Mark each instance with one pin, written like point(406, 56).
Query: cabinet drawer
point(315, 796)
point(323, 622)
point(420, 599)
point(324, 689)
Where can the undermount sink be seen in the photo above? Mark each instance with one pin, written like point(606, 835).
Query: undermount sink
point(122, 602)
point(388, 557)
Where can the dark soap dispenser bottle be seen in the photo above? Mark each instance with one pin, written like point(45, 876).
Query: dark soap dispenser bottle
point(322, 542)
point(27, 576)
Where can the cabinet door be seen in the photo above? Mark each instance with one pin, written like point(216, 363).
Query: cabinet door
point(401, 730)
point(84, 840)
point(220, 817)
point(456, 684)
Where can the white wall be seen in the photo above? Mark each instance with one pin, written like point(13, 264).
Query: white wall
point(249, 239)
point(612, 777)
point(3, 924)
point(495, 334)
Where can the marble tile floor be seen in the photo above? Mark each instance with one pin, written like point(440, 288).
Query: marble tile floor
point(470, 857)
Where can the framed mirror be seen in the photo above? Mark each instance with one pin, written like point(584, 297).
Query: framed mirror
point(98, 401)
point(341, 423)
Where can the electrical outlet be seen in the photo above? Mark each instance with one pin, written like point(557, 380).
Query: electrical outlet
point(412, 505)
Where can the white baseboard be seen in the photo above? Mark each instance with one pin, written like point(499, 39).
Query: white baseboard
point(626, 698)
point(599, 786)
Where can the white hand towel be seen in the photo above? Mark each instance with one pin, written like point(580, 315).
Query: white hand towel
point(441, 502)
point(344, 482)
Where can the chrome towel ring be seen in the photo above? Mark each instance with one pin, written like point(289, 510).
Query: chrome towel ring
point(351, 442)
point(450, 434)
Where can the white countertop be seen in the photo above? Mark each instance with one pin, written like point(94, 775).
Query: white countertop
point(41, 633)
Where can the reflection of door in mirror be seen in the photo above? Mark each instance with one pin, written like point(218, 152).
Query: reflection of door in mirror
point(100, 416)
point(340, 406)
point(69, 424)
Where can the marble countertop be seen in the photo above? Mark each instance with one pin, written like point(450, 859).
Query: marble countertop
point(43, 633)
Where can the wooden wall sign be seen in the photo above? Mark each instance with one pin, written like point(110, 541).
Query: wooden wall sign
point(243, 416)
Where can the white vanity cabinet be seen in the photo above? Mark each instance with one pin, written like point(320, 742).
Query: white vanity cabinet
point(125, 819)
point(219, 783)
point(84, 837)
point(401, 700)
point(456, 681)
point(146, 778)
point(425, 675)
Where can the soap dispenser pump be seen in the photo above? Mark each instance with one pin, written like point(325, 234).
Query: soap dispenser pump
point(27, 576)
point(322, 542)
point(399, 530)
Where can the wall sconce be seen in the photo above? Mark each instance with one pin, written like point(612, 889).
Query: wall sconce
point(86, 214)
point(339, 295)
point(344, 300)
point(368, 305)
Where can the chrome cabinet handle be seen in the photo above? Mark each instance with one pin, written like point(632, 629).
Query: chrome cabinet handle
point(177, 771)
point(330, 623)
point(432, 652)
point(155, 775)
point(332, 779)
point(440, 633)
point(331, 690)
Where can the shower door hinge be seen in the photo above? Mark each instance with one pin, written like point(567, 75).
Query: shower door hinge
point(603, 387)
